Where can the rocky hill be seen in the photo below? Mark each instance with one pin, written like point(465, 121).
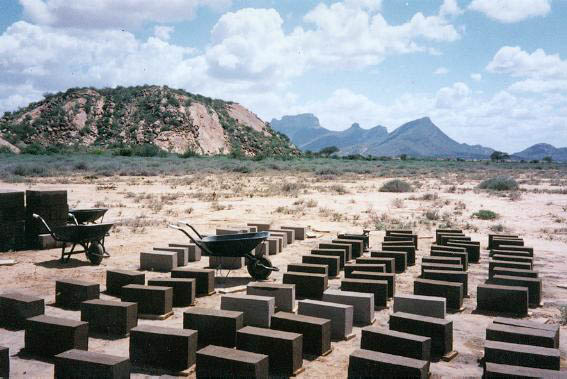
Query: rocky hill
point(174, 120)
point(418, 138)
point(542, 150)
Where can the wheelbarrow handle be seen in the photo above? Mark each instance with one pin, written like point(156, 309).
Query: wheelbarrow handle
point(72, 216)
point(202, 247)
point(38, 217)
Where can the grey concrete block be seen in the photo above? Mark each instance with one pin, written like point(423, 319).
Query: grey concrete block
point(283, 294)
point(70, 293)
point(396, 343)
point(495, 370)
point(341, 315)
point(451, 291)
point(500, 236)
point(4, 362)
point(152, 300)
point(518, 265)
point(357, 246)
point(182, 254)
point(262, 227)
point(522, 355)
point(530, 325)
point(389, 263)
point(408, 249)
point(365, 238)
point(504, 299)
point(89, 364)
point(430, 306)
point(204, 278)
point(289, 234)
point(307, 285)
point(215, 326)
point(513, 258)
point(284, 349)
point(521, 336)
point(299, 231)
point(333, 263)
point(341, 253)
point(109, 318)
point(48, 336)
point(451, 254)
point(534, 286)
point(473, 249)
point(372, 364)
point(379, 288)
point(308, 267)
point(510, 252)
point(221, 362)
point(281, 236)
point(116, 279)
point(316, 331)
point(257, 310)
point(343, 246)
point(390, 278)
point(183, 289)
point(274, 245)
point(440, 331)
point(362, 303)
point(163, 261)
point(15, 308)
point(449, 276)
point(164, 348)
point(399, 256)
point(350, 267)
point(194, 251)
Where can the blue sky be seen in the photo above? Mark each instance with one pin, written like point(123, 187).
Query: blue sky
point(490, 72)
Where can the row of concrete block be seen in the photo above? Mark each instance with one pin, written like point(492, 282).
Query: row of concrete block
point(165, 259)
point(455, 238)
point(520, 348)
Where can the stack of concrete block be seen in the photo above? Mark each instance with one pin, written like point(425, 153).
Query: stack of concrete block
point(109, 318)
point(511, 276)
point(365, 238)
point(400, 258)
point(362, 303)
point(341, 316)
point(339, 253)
point(401, 240)
point(12, 220)
point(307, 285)
point(357, 246)
point(300, 231)
point(316, 331)
point(53, 207)
point(182, 254)
point(514, 346)
point(204, 279)
point(283, 294)
point(333, 263)
point(346, 247)
point(456, 238)
point(162, 261)
point(183, 289)
point(194, 251)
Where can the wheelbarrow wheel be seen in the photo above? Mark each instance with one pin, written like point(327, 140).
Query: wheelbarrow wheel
point(258, 272)
point(95, 253)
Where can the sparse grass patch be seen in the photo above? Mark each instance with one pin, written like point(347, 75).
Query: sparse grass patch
point(398, 203)
point(396, 185)
point(485, 214)
point(311, 203)
point(432, 215)
point(499, 183)
point(563, 310)
point(498, 228)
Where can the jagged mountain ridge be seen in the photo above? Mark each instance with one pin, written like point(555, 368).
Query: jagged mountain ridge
point(306, 133)
point(418, 138)
point(174, 120)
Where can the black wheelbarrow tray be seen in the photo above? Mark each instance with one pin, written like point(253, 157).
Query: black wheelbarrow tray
point(235, 245)
point(88, 215)
point(89, 236)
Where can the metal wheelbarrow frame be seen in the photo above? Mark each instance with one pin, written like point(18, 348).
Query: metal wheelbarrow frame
point(235, 245)
point(89, 236)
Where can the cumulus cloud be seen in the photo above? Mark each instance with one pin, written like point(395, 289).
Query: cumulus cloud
point(541, 72)
point(450, 8)
point(509, 11)
point(441, 71)
point(455, 96)
point(477, 77)
point(110, 13)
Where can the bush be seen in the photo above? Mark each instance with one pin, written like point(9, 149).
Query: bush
point(563, 310)
point(34, 149)
point(396, 185)
point(189, 153)
point(485, 214)
point(499, 183)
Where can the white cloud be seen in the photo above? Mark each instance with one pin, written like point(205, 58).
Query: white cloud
point(111, 13)
point(455, 96)
point(509, 11)
point(450, 8)
point(477, 77)
point(441, 71)
point(163, 32)
point(541, 72)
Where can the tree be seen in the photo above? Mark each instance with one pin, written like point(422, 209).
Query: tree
point(547, 159)
point(326, 151)
point(403, 157)
point(499, 156)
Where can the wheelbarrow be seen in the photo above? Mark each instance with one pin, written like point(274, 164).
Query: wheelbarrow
point(235, 245)
point(90, 237)
point(88, 215)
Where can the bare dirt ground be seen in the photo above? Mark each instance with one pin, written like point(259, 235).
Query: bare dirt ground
point(142, 208)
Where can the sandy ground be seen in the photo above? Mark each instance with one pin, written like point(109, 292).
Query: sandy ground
point(232, 200)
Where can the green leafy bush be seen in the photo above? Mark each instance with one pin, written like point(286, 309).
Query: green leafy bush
point(396, 185)
point(189, 153)
point(485, 214)
point(499, 183)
